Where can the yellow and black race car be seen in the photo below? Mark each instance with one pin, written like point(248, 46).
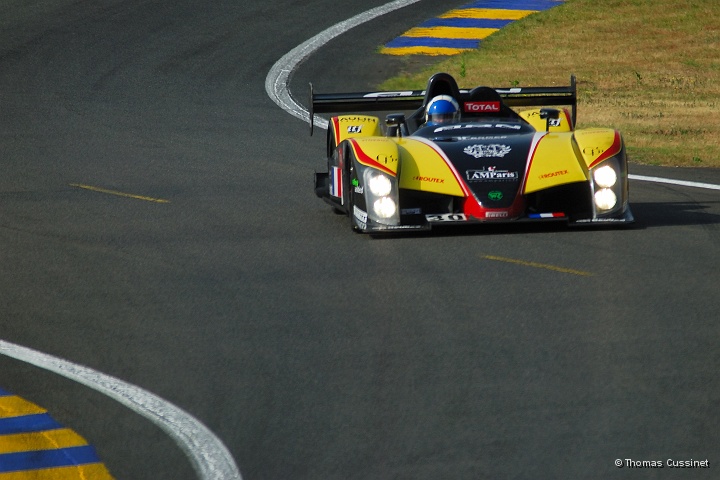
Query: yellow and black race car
point(466, 156)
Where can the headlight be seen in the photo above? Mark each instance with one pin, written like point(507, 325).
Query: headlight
point(381, 197)
point(379, 185)
point(605, 177)
point(605, 199)
point(385, 207)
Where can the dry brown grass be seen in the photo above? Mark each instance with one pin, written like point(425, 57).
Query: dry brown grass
point(650, 68)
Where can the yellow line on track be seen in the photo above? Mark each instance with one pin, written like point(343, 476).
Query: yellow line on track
point(451, 32)
point(14, 406)
point(45, 440)
point(488, 13)
point(119, 194)
point(91, 471)
point(538, 265)
point(422, 50)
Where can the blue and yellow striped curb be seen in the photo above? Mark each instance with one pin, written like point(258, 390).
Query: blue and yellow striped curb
point(33, 446)
point(463, 28)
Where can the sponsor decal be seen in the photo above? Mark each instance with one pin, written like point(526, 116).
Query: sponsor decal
point(406, 93)
point(358, 188)
point(446, 217)
point(354, 129)
point(455, 127)
point(480, 107)
point(559, 173)
point(398, 227)
point(356, 119)
point(594, 151)
point(510, 90)
point(495, 195)
point(385, 159)
point(496, 214)
point(419, 178)
point(492, 173)
point(336, 182)
point(411, 211)
point(602, 220)
point(493, 150)
point(361, 215)
point(480, 137)
point(511, 126)
point(555, 122)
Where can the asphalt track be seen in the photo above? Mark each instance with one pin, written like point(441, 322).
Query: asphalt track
point(311, 352)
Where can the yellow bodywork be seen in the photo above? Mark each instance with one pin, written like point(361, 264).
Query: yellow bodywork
point(352, 126)
point(597, 144)
point(431, 174)
point(377, 152)
point(532, 116)
point(554, 163)
point(424, 167)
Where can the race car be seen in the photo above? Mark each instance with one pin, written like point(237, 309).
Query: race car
point(502, 155)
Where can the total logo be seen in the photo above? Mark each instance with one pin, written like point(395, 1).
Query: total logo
point(479, 107)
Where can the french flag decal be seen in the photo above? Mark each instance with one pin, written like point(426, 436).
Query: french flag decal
point(336, 182)
point(547, 215)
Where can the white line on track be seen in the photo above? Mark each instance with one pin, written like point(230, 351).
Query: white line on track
point(209, 456)
point(278, 78)
point(684, 183)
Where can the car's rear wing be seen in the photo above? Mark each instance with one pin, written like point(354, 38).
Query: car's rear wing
point(414, 99)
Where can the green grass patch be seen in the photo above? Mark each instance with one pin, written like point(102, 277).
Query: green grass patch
point(648, 68)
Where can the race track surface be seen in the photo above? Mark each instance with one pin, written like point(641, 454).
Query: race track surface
point(158, 224)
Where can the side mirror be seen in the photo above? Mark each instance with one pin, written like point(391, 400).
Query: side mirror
point(549, 114)
point(394, 122)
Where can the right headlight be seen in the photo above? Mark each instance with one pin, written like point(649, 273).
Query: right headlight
point(605, 199)
point(605, 176)
point(609, 186)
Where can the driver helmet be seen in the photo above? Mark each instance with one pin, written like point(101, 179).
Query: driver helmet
point(442, 109)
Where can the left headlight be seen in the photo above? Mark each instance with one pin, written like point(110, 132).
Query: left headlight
point(381, 196)
point(385, 207)
point(379, 185)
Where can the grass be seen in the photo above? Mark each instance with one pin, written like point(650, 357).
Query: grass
point(649, 68)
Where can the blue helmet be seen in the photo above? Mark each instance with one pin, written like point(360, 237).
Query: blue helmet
point(442, 109)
